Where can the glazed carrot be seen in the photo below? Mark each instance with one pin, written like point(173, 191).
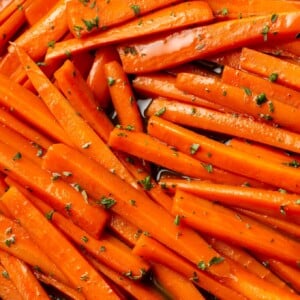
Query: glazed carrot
point(258, 84)
point(122, 96)
point(18, 243)
point(9, 120)
point(62, 253)
point(163, 52)
point(178, 286)
point(241, 100)
point(265, 65)
point(97, 75)
point(133, 287)
point(22, 277)
point(9, 64)
point(9, 8)
point(83, 18)
point(55, 192)
point(228, 123)
point(151, 249)
point(164, 85)
point(131, 204)
point(81, 134)
point(76, 90)
point(146, 147)
point(7, 289)
point(225, 224)
point(170, 18)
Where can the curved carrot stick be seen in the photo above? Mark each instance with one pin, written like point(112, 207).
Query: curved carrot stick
point(7, 289)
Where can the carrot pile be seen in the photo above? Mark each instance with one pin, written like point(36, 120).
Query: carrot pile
point(149, 149)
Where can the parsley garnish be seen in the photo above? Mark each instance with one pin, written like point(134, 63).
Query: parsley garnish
point(146, 182)
point(136, 9)
point(194, 148)
point(106, 202)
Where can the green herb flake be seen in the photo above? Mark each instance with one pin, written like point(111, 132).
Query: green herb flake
point(194, 277)
point(294, 164)
point(200, 46)
point(68, 206)
point(266, 117)
point(51, 44)
point(102, 249)
point(106, 202)
point(130, 50)
point(297, 202)
point(216, 260)
point(265, 32)
point(160, 112)
point(177, 220)
point(273, 77)
point(85, 239)
point(77, 30)
point(111, 81)
point(202, 265)
point(146, 183)
point(132, 202)
point(208, 167)
point(224, 12)
point(92, 23)
point(247, 91)
point(84, 276)
point(136, 9)
point(194, 148)
point(261, 99)
point(49, 215)
point(10, 241)
point(17, 156)
point(271, 106)
point(274, 18)
point(5, 274)
point(68, 53)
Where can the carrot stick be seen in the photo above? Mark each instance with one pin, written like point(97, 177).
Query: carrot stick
point(131, 204)
point(228, 123)
point(224, 223)
point(258, 85)
point(8, 10)
point(122, 96)
point(150, 249)
point(240, 100)
point(9, 120)
point(146, 147)
point(58, 248)
point(22, 277)
point(228, 58)
point(96, 75)
point(177, 285)
point(169, 18)
point(164, 85)
point(265, 65)
point(8, 290)
point(159, 53)
point(223, 156)
point(76, 127)
point(18, 243)
point(76, 90)
point(55, 192)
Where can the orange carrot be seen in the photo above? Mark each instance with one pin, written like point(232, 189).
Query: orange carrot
point(82, 61)
point(240, 100)
point(149, 248)
point(97, 75)
point(228, 123)
point(3, 185)
point(55, 192)
point(169, 18)
point(260, 85)
point(228, 58)
point(219, 155)
point(75, 89)
point(266, 65)
point(8, 8)
point(221, 222)
point(122, 96)
point(8, 290)
point(163, 52)
point(22, 277)
point(131, 204)
point(63, 254)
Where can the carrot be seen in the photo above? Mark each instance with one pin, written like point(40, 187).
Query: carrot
point(22, 277)
point(164, 85)
point(228, 123)
point(241, 100)
point(131, 204)
point(258, 84)
point(77, 129)
point(122, 96)
point(76, 90)
point(3, 185)
point(29, 107)
point(9, 120)
point(159, 53)
point(8, 290)
point(169, 18)
point(9, 8)
point(55, 192)
point(177, 285)
point(151, 249)
point(63, 254)
point(83, 61)
point(265, 65)
point(226, 224)
point(18, 243)
point(96, 75)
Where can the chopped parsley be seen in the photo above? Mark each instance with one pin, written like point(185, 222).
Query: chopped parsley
point(194, 148)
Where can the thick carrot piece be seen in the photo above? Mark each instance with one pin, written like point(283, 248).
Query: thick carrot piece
point(221, 222)
point(159, 53)
point(58, 248)
point(263, 64)
point(131, 204)
point(55, 192)
point(241, 100)
point(122, 96)
point(81, 134)
point(8, 290)
point(151, 249)
point(22, 277)
point(76, 90)
point(258, 85)
point(7, 7)
point(228, 123)
point(170, 18)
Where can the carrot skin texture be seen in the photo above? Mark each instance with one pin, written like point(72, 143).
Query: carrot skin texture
point(160, 53)
point(7, 289)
